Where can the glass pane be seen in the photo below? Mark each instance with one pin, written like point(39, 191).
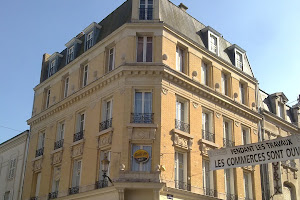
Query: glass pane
point(149, 50)
point(140, 49)
point(148, 102)
point(147, 165)
point(135, 166)
point(138, 102)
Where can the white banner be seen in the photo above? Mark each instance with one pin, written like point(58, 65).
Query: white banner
point(280, 149)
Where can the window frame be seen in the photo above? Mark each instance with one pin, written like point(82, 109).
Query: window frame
point(142, 100)
point(231, 181)
point(180, 59)
point(225, 83)
point(243, 92)
point(211, 174)
point(80, 122)
point(66, 82)
point(74, 170)
point(205, 73)
point(6, 195)
point(142, 167)
point(145, 52)
point(239, 63)
point(105, 116)
point(146, 7)
point(280, 110)
point(70, 53)
point(210, 36)
point(111, 59)
point(61, 131)
point(47, 98)
point(248, 190)
point(230, 129)
point(210, 119)
point(52, 67)
point(54, 185)
point(84, 76)
point(89, 40)
point(186, 111)
point(41, 140)
point(176, 167)
point(245, 130)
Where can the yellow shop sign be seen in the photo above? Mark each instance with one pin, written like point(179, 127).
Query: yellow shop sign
point(141, 156)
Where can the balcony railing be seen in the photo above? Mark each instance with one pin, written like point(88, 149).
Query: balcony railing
point(180, 125)
point(105, 124)
point(206, 135)
point(78, 136)
point(182, 185)
point(74, 190)
point(146, 118)
point(53, 195)
point(146, 13)
point(101, 184)
point(289, 163)
point(34, 198)
point(39, 152)
point(231, 197)
point(58, 144)
point(210, 192)
point(228, 143)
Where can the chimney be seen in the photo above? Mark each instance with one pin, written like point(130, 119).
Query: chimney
point(183, 7)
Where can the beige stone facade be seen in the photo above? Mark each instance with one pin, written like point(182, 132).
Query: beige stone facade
point(148, 85)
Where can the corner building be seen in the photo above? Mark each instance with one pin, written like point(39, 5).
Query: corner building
point(151, 90)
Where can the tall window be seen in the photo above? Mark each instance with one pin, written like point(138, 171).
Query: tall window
point(225, 84)
point(144, 49)
point(181, 121)
point(207, 126)
point(12, 168)
point(248, 185)
point(7, 195)
point(52, 68)
point(141, 164)
point(108, 109)
point(180, 170)
point(85, 75)
point(70, 53)
point(38, 183)
point(246, 136)
point(41, 140)
point(280, 110)
point(208, 179)
point(227, 134)
point(229, 184)
point(66, 87)
point(76, 175)
point(204, 74)
point(111, 59)
point(80, 122)
point(239, 60)
point(60, 135)
point(143, 107)
point(89, 40)
point(55, 181)
point(213, 43)
point(146, 9)
point(47, 102)
point(243, 93)
point(180, 59)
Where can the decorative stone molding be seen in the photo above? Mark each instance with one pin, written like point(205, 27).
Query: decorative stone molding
point(182, 140)
point(195, 104)
point(37, 165)
point(57, 158)
point(218, 115)
point(255, 132)
point(237, 124)
point(77, 150)
point(249, 168)
point(206, 145)
point(105, 137)
point(142, 132)
point(164, 91)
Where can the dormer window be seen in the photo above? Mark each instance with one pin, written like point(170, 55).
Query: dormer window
point(211, 39)
point(146, 10)
point(91, 34)
point(239, 60)
point(213, 43)
point(70, 54)
point(236, 55)
point(54, 60)
point(72, 47)
point(280, 110)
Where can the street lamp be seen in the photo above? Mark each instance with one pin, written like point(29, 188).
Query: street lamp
point(105, 163)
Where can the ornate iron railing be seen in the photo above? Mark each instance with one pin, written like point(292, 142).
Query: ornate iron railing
point(59, 144)
point(228, 143)
point(78, 136)
point(208, 136)
point(231, 197)
point(182, 185)
point(105, 124)
point(180, 125)
point(210, 192)
point(74, 190)
point(39, 152)
point(146, 118)
point(146, 13)
point(101, 184)
point(53, 195)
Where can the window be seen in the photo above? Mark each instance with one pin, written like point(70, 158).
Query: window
point(6, 195)
point(52, 68)
point(239, 60)
point(248, 185)
point(181, 170)
point(246, 136)
point(66, 87)
point(40, 145)
point(204, 74)
point(229, 184)
point(144, 49)
point(89, 40)
point(47, 102)
point(243, 93)
point(108, 109)
point(37, 185)
point(208, 179)
point(85, 75)
point(213, 44)
point(227, 132)
point(146, 9)
point(280, 110)
point(60, 136)
point(76, 175)
point(80, 122)
point(12, 168)
point(106, 115)
point(111, 59)
point(102, 156)
point(181, 121)
point(55, 181)
point(207, 126)
point(71, 53)
point(225, 84)
point(180, 59)
point(143, 164)
point(142, 107)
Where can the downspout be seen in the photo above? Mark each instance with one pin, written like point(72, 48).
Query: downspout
point(24, 165)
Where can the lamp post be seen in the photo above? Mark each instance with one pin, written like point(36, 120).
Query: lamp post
point(105, 163)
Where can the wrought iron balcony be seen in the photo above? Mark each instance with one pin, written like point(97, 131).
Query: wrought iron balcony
point(231, 197)
point(34, 198)
point(228, 143)
point(78, 136)
point(182, 185)
point(101, 184)
point(74, 190)
point(53, 195)
point(146, 118)
point(105, 124)
point(39, 152)
point(206, 135)
point(59, 144)
point(180, 125)
point(210, 192)
point(146, 13)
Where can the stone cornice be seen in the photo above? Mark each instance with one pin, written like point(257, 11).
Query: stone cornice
point(13, 143)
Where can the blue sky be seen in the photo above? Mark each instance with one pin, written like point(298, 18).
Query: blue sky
point(268, 30)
